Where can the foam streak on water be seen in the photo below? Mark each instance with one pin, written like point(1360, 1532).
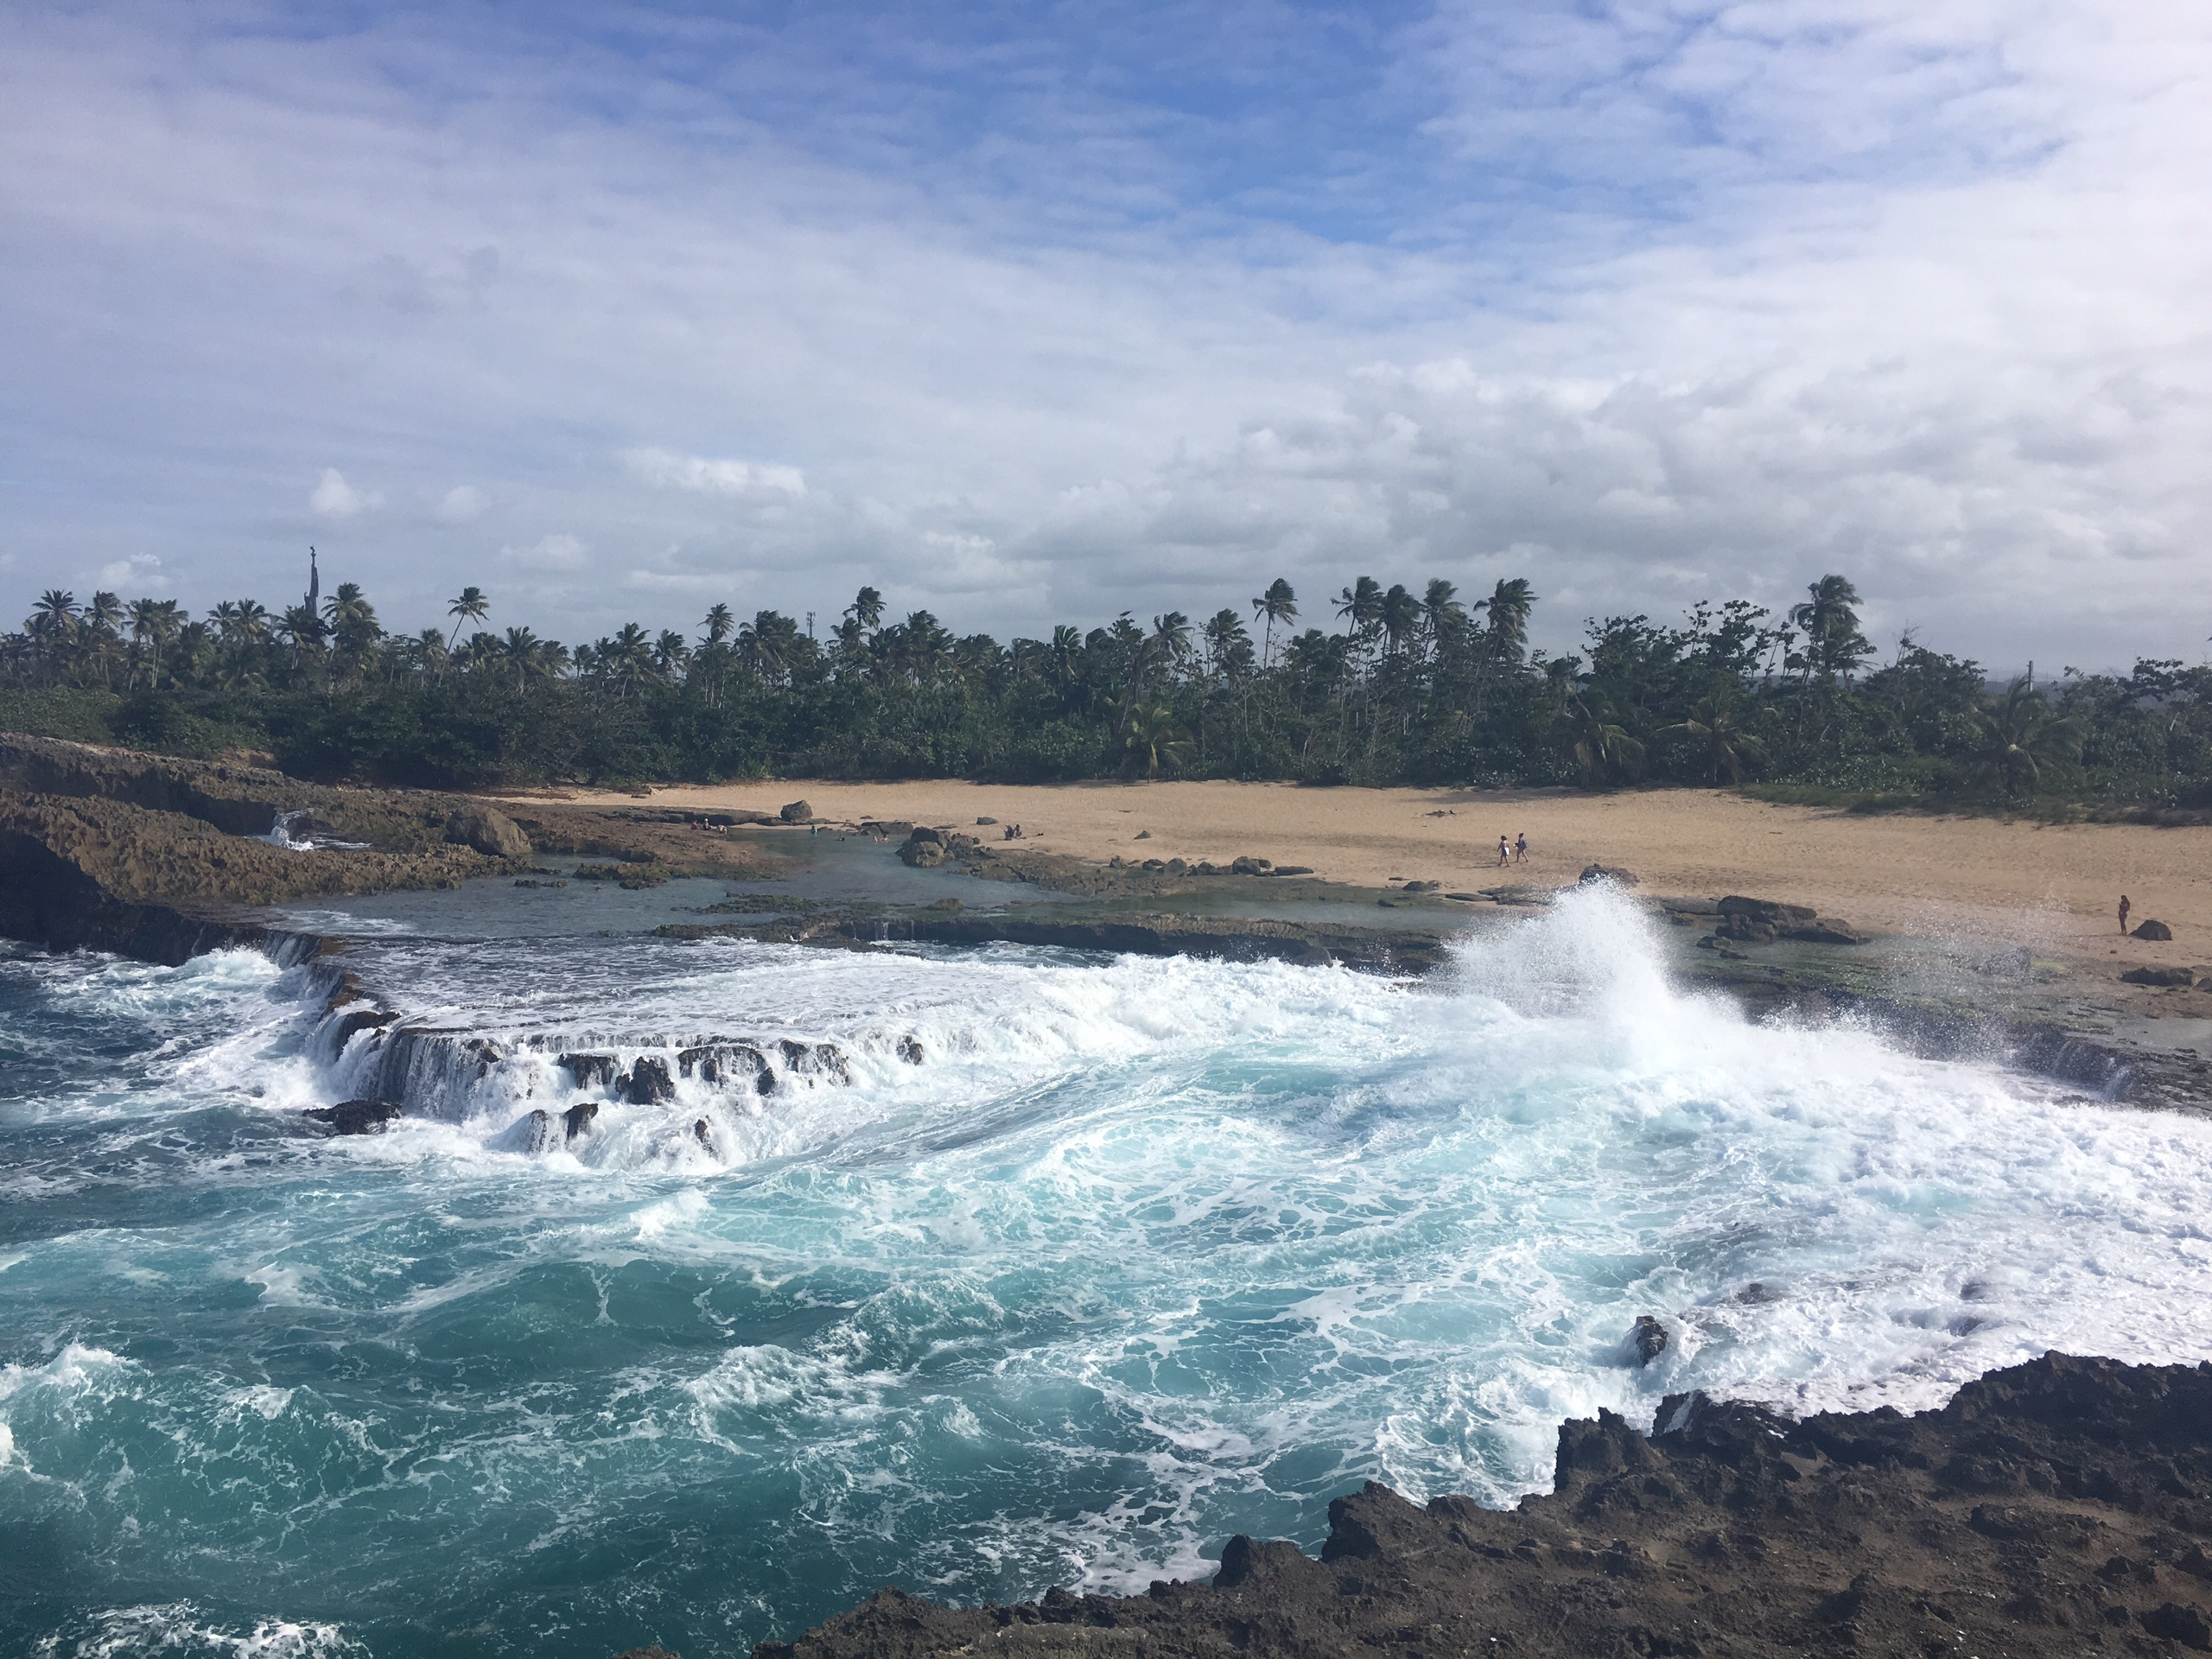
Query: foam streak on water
point(1144, 1254)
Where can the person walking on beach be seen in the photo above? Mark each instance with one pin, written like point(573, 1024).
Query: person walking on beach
point(1521, 848)
point(2124, 908)
point(1504, 853)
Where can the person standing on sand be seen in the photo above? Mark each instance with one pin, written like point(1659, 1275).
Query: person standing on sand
point(2124, 908)
point(1504, 853)
point(1521, 848)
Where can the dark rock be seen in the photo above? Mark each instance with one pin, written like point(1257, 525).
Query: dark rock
point(1824, 930)
point(356, 1116)
point(924, 849)
point(1595, 873)
point(2155, 932)
point(1290, 869)
point(703, 1132)
point(910, 1050)
point(2178, 1624)
point(721, 1064)
point(1144, 835)
point(653, 1652)
point(2174, 976)
point(578, 1118)
point(647, 1083)
point(1732, 1530)
point(492, 834)
point(1746, 930)
point(985, 821)
point(1767, 911)
point(796, 813)
point(1249, 866)
point(590, 1071)
point(815, 1060)
point(1649, 1338)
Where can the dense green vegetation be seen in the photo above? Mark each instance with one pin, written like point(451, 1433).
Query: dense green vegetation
point(1400, 687)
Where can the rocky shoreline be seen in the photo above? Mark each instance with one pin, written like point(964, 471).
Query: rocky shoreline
point(157, 858)
point(2055, 1508)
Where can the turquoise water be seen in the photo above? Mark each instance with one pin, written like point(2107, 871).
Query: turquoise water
point(1142, 1254)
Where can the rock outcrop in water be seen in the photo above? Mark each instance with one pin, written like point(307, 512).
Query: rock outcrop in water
point(2058, 1508)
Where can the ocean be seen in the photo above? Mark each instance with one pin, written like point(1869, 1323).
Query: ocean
point(1027, 1268)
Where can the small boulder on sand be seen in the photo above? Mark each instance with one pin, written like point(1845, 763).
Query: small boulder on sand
point(796, 813)
point(2157, 932)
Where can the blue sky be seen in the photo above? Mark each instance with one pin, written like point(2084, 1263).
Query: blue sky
point(1029, 312)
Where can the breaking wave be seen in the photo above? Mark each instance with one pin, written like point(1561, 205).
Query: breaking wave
point(1020, 1269)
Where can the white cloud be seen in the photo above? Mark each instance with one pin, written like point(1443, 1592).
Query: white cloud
point(129, 575)
point(666, 470)
point(1653, 301)
point(464, 503)
point(554, 552)
point(333, 497)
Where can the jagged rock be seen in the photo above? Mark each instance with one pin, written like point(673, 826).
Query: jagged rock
point(578, 1118)
point(703, 1132)
point(815, 1060)
point(590, 1071)
point(2178, 1624)
point(533, 1133)
point(1245, 865)
point(1154, 865)
point(647, 1083)
point(2155, 932)
point(1144, 835)
point(1289, 869)
point(2174, 976)
point(1649, 1338)
point(1595, 872)
point(356, 1116)
point(796, 813)
point(1731, 1530)
point(986, 821)
point(721, 1064)
point(492, 834)
point(1177, 867)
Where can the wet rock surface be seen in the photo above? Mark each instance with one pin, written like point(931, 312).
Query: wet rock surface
point(2059, 1507)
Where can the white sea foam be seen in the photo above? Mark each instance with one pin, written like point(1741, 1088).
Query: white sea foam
point(1143, 1253)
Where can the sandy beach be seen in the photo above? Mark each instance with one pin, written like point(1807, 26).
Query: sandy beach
point(2054, 886)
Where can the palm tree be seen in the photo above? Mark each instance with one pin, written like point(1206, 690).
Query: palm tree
point(469, 607)
point(1169, 645)
point(770, 642)
point(1229, 648)
point(1713, 724)
point(2018, 739)
point(1278, 604)
point(52, 626)
point(669, 654)
point(1834, 644)
point(518, 651)
point(866, 609)
point(1442, 609)
point(100, 623)
point(1362, 605)
point(1600, 748)
point(627, 657)
point(720, 622)
point(1400, 615)
point(1150, 734)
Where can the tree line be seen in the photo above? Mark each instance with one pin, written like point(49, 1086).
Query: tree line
point(1397, 686)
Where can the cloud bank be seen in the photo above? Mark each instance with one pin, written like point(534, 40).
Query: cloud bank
point(1025, 318)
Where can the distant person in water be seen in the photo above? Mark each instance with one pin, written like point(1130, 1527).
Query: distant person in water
point(2124, 908)
point(1521, 848)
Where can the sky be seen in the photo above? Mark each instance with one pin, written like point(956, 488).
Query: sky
point(1029, 312)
